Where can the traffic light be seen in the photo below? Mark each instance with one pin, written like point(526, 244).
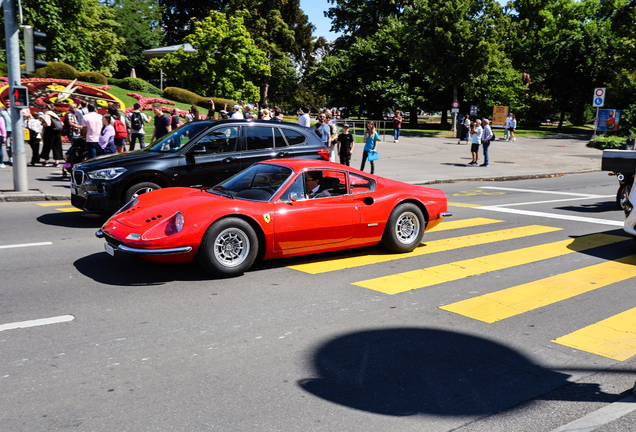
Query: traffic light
point(31, 49)
point(20, 97)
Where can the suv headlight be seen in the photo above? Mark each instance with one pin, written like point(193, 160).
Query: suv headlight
point(106, 174)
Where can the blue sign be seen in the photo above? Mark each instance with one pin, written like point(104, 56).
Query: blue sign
point(598, 102)
point(608, 120)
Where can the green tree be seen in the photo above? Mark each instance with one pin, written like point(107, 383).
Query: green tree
point(81, 33)
point(178, 17)
point(139, 27)
point(227, 61)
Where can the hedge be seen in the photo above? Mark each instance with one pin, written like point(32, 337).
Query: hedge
point(58, 71)
point(188, 97)
point(136, 85)
point(93, 77)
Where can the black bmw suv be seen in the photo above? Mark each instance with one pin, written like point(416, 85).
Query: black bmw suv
point(197, 154)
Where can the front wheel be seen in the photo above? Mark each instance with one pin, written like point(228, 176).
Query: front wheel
point(140, 188)
point(405, 228)
point(623, 195)
point(228, 248)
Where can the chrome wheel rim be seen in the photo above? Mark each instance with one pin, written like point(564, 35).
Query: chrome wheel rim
point(407, 228)
point(231, 247)
point(142, 191)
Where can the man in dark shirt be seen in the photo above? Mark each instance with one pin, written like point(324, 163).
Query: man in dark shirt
point(346, 143)
point(162, 123)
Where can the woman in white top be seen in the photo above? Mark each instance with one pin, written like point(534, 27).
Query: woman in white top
point(476, 136)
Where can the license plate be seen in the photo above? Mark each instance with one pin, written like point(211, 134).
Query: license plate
point(109, 249)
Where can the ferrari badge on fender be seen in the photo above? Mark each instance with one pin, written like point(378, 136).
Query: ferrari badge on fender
point(266, 217)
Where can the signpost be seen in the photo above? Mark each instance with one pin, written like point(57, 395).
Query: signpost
point(597, 102)
point(455, 110)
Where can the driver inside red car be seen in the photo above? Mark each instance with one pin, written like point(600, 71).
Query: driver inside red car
point(315, 186)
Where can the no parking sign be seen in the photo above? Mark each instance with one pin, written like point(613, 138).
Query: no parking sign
point(599, 97)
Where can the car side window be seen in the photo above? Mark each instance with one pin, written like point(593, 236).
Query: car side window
point(359, 184)
point(279, 140)
point(259, 137)
point(294, 137)
point(222, 140)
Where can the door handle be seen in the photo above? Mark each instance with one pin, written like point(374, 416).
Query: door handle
point(229, 159)
point(282, 154)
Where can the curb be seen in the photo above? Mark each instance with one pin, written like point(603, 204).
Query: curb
point(502, 178)
point(32, 195)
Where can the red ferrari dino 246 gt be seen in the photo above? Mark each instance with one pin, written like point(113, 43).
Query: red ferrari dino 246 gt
point(274, 209)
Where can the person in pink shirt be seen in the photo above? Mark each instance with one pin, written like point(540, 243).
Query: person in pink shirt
point(92, 123)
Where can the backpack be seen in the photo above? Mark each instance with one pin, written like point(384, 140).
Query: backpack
point(56, 124)
point(136, 121)
point(67, 126)
point(120, 129)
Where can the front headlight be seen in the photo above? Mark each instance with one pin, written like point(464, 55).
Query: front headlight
point(106, 174)
point(166, 228)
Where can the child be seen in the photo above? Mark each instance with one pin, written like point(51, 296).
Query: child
point(346, 143)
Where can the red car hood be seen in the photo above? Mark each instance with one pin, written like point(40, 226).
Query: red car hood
point(163, 203)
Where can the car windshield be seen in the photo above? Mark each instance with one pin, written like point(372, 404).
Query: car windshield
point(177, 139)
point(257, 183)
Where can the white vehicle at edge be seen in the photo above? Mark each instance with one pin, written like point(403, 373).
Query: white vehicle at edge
point(630, 216)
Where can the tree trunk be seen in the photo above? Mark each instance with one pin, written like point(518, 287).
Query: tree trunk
point(454, 127)
point(264, 91)
point(413, 117)
point(561, 119)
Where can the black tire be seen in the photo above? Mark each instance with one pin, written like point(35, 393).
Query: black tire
point(622, 195)
point(405, 228)
point(138, 189)
point(229, 247)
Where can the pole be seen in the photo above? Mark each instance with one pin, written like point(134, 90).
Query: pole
point(20, 180)
point(596, 125)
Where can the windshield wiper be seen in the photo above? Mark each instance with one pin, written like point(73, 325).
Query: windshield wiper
point(223, 190)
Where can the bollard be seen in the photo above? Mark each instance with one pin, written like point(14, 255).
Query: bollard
point(630, 144)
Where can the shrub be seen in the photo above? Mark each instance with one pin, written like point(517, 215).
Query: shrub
point(188, 97)
point(135, 84)
point(92, 77)
point(57, 71)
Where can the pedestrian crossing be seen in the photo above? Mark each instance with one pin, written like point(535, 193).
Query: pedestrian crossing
point(614, 337)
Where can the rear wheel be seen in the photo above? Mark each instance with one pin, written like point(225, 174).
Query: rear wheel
point(228, 248)
point(140, 188)
point(622, 195)
point(405, 228)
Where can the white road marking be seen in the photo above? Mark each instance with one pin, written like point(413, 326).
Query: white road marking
point(552, 215)
point(545, 192)
point(37, 322)
point(25, 245)
point(550, 201)
point(600, 417)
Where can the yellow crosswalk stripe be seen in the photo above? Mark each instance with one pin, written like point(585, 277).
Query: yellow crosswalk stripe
point(407, 281)
point(464, 223)
point(614, 337)
point(328, 265)
point(503, 304)
point(54, 203)
point(69, 209)
point(454, 204)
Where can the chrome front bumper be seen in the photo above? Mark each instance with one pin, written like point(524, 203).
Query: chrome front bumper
point(136, 251)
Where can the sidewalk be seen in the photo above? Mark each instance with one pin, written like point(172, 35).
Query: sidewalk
point(414, 160)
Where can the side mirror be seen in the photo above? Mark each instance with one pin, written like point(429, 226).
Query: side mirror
point(293, 197)
point(198, 149)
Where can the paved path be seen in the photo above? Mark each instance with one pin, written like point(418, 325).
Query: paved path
point(414, 160)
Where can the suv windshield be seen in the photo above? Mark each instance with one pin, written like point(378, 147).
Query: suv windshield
point(257, 183)
point(178, 138)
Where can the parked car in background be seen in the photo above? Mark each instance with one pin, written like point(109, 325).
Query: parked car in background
point(269, 211)
point(197, 154)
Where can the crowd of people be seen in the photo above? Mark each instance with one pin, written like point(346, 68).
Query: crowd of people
point(479, 133)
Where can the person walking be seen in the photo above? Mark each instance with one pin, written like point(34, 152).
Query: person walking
point(507, 128)
point(371, 139)
point(397, 125)
point(162, 123)
point(513, 126)
point(304, 119)
point(92, 123)
point(52, 136)
point(137, 132)
point(35, 135)
point(346, 143)
point(485, 141)
point(475, 134)
point(72, 124)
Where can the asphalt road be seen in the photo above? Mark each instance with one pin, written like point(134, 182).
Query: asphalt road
point(330, 342)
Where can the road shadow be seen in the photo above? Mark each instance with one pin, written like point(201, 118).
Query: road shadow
point(408, 371)
point(125, 270)
point(599, 207)
point(73, 219)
